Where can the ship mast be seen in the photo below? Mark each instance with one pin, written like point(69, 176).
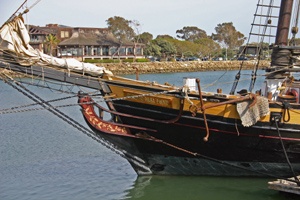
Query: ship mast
point(284, 20)
point(282, 52)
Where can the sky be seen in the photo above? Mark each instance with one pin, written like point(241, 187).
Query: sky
point(158, 17)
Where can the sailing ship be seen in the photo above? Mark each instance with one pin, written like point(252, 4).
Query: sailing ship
point(168, 130)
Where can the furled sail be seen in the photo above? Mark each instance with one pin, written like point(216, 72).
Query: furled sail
point(14, 39)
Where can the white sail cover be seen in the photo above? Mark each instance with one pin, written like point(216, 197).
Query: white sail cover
point(14, 38)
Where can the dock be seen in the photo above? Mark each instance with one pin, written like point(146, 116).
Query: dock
point(285, 185)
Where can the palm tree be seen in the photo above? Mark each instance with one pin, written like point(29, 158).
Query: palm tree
point(51, 42)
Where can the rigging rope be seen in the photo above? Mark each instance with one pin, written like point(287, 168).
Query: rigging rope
point(53, 109)
point(254, 72)
point(74, 123)
point(13, 110)
point(259, 47)
point(45, 84)
point(277, 119)
point(295, 22)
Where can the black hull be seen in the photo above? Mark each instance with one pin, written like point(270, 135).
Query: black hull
point(178, 148)
point(167, 160)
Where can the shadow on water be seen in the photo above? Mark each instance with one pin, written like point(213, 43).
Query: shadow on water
point(185, 187)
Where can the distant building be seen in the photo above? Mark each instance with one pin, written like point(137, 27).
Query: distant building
point(251, 51)
point(82, 43)
point(38, 36)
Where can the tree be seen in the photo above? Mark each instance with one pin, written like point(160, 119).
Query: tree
point(191, 33)
point(136, 38)
point(167, 48)
point(182, 48)
point(51, 43)
point(185, 48)
point(208, 47)
point(228, 36)
point(165, 37)
point(136, 26)
point(145, 37)
point(120, 28)
point(152, 49)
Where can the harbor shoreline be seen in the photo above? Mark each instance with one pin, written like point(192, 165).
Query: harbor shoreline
point(173, 67)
